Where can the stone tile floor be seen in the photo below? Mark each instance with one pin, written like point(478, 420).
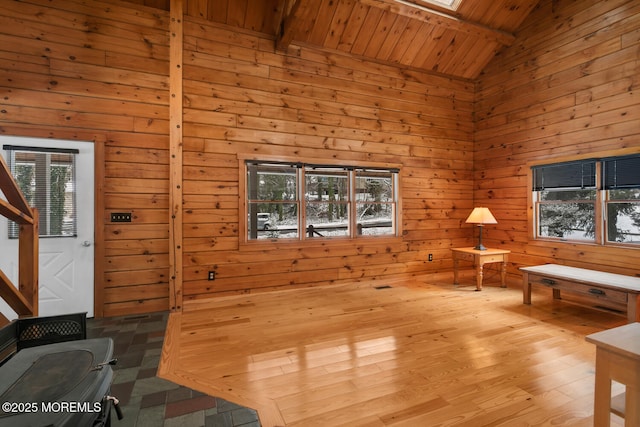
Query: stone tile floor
point(149, 401)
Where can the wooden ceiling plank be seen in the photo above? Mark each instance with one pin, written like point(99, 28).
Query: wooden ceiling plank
point(484, 12)
point(433, 17)
point(480, 59)
point(380, 34)
point(393, 37)
point(428, 47)
point(197, 8)
point(217, 10)
point(366, 31)
point(405, 40)
point(444, 46)
point(356, 19)
point(236, 13)
point(339, 23)
point(258, 15)
point(322, 22)
point(405, 32)
point(459, 54)
point(489, 14)
point(423, 34)
point(508, 15)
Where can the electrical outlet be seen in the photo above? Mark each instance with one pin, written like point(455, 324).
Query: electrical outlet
point(212, 275)
point(430, 257)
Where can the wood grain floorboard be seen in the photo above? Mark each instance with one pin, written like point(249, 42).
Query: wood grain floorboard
point(413, 354)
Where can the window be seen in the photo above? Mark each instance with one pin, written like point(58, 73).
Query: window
point(327, 201)
point(566, 199)
point(46, 178)
point(448, 4)
point(272, 191)
point(306, 201)
point(621, 181)
point(595, 200)
point(375, 201)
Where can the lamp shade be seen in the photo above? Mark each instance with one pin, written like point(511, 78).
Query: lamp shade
point(481, 216)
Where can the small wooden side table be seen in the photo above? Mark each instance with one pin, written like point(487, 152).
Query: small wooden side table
point(479, 259)
point(617, 359)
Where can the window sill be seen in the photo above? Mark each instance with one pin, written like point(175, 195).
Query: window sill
point(263, 244)
point(541, 241)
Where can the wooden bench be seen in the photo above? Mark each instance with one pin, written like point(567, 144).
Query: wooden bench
point(617, 290)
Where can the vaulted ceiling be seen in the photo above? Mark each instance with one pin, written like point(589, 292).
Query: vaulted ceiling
point(411, 33)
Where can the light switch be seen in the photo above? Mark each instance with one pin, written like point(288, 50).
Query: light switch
point(120, 216)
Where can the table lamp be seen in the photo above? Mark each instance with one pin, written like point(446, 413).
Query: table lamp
point(481, 216)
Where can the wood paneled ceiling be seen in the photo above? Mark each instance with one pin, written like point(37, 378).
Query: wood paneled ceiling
point(411, 33)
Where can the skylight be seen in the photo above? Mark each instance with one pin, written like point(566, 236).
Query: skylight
point(449, 4)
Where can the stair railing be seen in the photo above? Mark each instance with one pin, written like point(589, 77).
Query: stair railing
point(24, 298)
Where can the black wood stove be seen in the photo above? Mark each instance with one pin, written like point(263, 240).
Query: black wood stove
point(61, 384)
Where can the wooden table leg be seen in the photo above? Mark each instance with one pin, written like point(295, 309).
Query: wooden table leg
point(479, 276)
point(526, 288)
point(631, 411)
point(602, 395)
point(455, 269)
point(503, 274)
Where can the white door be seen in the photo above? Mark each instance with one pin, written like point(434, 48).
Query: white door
point(67, 233)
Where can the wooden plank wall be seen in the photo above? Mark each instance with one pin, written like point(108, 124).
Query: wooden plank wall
point(243, 98)
point(568, 87)
point(98, 71)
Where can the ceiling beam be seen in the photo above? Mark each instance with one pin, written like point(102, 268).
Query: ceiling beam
point(288, 26)
point(434, 17)
point(294, 22)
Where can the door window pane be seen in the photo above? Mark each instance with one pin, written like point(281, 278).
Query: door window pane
point(47, 180)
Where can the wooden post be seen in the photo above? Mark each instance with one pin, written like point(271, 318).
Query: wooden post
point(28, 261)
point(175, 155)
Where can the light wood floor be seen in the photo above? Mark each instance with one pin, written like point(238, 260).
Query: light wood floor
point(413, 354)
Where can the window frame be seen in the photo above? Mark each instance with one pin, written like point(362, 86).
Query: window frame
point(601, 203)
point(302, 237)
